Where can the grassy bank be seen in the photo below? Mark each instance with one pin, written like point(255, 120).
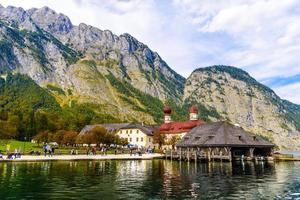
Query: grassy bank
point(28, 146)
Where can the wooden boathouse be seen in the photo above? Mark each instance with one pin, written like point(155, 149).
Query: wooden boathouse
point(221, 141)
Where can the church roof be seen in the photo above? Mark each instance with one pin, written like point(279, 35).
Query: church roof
point(221, 134)
point(179, 127)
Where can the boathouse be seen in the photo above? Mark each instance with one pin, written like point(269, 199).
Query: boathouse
point(222, 140)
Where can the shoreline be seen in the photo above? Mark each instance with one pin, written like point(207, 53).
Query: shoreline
point(27, 158)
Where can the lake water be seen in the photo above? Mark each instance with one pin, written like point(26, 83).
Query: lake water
point(149, 179)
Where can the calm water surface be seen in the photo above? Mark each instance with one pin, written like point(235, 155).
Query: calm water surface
point(149, 179)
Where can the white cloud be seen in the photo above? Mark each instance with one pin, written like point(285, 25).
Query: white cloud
point(290, 92)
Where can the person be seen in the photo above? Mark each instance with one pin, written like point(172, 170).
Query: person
point(48, 149)
point(52, 150)
point(45, 149)
point(87, 151)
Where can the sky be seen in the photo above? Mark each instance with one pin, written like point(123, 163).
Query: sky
point(259, 36)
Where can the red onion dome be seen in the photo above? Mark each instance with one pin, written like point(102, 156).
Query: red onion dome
point(193, 109)
point(167, 110)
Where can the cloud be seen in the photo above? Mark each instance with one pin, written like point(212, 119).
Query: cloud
point(290, 92)
point(261, 36)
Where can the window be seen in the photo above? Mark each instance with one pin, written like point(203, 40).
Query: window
point(137, 131)
point(137, 139)
point(130, 139)
point(142, 139)
point(130, 131)
point(127, 131)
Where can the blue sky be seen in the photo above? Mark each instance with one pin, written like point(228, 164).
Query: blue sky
point(261, 37)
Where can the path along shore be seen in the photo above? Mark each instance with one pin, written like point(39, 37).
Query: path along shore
point(84, 157)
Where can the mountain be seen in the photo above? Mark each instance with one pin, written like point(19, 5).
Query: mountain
point(84, 62)
point(232, 94)
point(65, 76)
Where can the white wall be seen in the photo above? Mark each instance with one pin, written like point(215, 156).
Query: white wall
point(136, 137)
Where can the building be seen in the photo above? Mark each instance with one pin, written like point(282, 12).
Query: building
point(138, 135)
point(222, 140)
point(177, 129)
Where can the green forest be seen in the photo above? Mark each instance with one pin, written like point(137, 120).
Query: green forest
point(27, 109)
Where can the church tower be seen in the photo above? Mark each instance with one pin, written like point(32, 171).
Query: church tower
point(193, 112)
point(167, 111)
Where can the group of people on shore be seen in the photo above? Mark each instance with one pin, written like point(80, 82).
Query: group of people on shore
point(48, 149)
point(93, 151)
point(11, 155)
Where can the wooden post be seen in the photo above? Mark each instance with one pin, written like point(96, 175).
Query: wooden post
point(180, 153)
point(251, 150)
point(195, 155)
point(166, 152)
point(188, 154)
point(171, 154)
point(209, 154)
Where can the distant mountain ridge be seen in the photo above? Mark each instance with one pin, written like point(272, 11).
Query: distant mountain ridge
point(118, 78)
point(237, 97)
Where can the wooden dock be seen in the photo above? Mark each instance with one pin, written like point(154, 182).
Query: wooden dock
point(195, 156)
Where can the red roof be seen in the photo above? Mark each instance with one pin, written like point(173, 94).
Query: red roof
point(179, 127)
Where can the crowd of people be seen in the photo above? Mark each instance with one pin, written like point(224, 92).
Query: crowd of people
point(49, 150)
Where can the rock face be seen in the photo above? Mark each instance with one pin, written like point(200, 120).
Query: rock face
point(48, 43)
point(239, 98)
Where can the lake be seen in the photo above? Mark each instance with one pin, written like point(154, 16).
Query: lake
point(149, 179)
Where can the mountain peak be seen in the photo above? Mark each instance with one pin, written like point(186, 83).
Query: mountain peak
point(51, 21)
point(224, 69)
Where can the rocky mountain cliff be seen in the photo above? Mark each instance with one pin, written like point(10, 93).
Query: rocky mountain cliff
point(96, 76)
point(232, 94)
point(83, 61)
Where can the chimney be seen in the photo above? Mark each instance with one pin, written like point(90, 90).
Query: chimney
point(193, 112)
point(167, 111)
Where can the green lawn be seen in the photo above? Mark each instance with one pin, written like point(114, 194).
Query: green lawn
point(14, 144)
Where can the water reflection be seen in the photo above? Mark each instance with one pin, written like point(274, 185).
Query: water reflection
point(157, 179)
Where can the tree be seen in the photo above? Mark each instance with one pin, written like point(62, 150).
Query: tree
point(7, 131)
point(69, 138)
point(159, 138)
point(43, 136)
point(58, 137)
point(173, 141)
point(118, 140)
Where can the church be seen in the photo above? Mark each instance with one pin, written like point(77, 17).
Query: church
point(173, 131)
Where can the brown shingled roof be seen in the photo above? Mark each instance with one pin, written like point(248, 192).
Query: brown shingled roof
point(221, 134)
point(109, 127)
point(147, 129)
